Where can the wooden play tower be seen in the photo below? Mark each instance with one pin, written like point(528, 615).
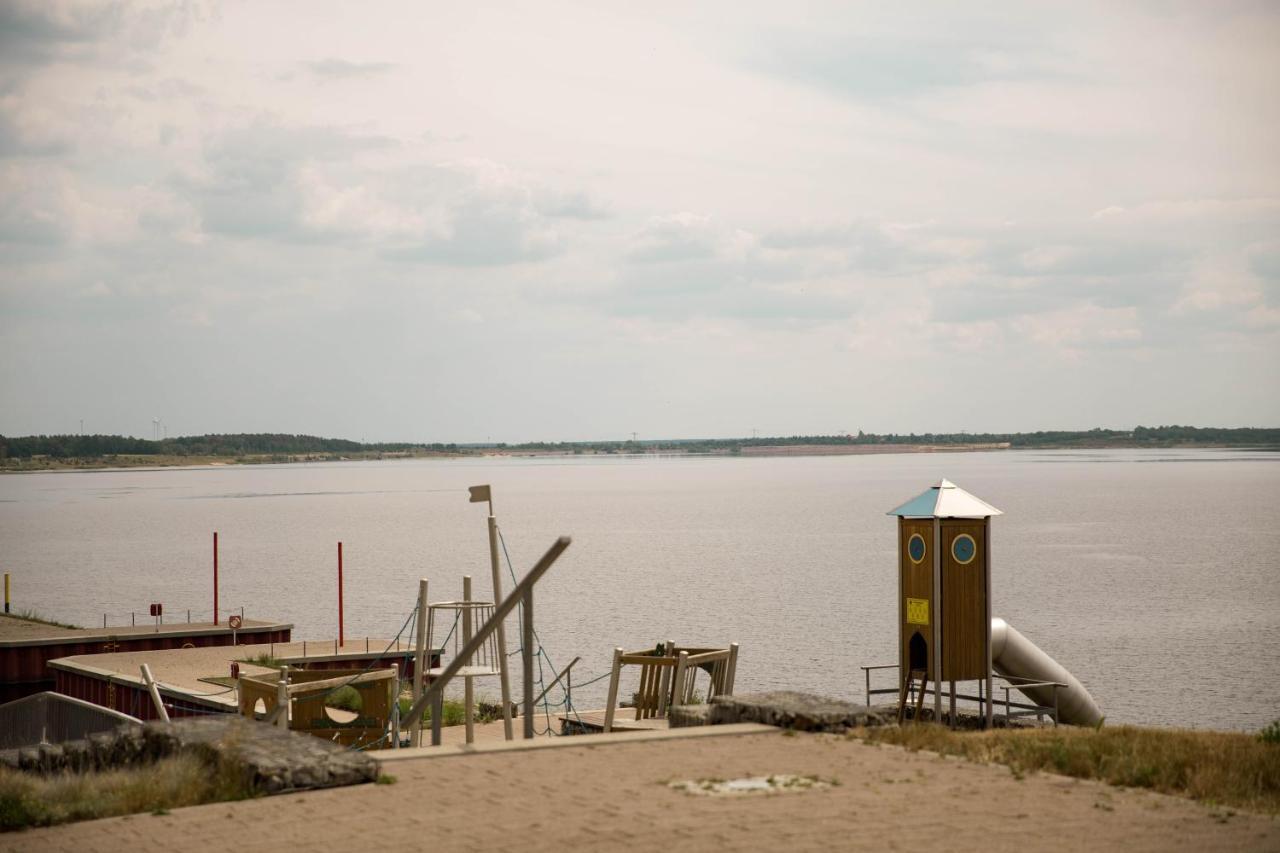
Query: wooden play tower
point(944, 595)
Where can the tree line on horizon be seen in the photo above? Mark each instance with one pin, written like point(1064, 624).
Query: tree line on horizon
point(281, 444)
point(243, 444)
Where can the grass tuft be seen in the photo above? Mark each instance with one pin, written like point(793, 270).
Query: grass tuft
point(28, 799)
point(1228, 768)
point(264, 659)
point(455, 712)
point(28, 615)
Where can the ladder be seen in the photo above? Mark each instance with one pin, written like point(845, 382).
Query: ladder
point(915, 676)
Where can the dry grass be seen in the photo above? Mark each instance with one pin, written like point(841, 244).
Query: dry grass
point(26, 614)
point(1217, 768)
point(28, 799)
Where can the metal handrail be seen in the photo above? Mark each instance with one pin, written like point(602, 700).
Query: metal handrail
point(1037, 710)
point(866, 671)
point(1016, 682)
point(523, 593)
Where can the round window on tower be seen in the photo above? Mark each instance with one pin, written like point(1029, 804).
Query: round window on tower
point(964, 549)
point(915, 548)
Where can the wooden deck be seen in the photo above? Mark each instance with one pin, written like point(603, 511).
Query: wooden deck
point(624, 720)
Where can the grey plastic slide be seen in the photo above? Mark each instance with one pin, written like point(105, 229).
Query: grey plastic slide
point(1015, 655)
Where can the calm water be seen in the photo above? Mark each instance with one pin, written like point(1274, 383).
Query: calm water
point(1151, 575)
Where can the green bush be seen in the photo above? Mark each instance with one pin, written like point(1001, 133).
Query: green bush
point(1270, 734)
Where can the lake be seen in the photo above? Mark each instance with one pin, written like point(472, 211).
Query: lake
point(1151, 575)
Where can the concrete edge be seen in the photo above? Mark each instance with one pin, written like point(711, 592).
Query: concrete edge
point(112, 676)
point(391, 756)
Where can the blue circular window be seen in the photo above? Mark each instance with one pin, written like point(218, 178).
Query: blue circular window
point(964, 549)
point(915, 547)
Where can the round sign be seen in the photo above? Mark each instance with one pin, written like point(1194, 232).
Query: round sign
point(964, 549)
point(234, 622)
point(915, 548)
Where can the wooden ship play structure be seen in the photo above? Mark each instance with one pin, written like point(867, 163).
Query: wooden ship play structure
point(946, 634)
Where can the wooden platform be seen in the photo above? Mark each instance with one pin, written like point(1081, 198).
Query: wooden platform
point(624, 720)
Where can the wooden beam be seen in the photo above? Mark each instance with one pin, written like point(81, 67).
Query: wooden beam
point(303, 687)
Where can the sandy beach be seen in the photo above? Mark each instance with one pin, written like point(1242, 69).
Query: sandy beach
point(589, 794)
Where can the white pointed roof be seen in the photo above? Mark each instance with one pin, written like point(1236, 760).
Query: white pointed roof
point(945, 500)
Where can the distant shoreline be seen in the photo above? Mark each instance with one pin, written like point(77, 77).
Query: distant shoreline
point(126, 462)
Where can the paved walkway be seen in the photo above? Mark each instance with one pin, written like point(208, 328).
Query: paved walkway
point(616, 797)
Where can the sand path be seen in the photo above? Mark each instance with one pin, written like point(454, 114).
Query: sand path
point(615, 797)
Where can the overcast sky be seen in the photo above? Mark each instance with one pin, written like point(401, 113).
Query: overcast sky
point(428, 222)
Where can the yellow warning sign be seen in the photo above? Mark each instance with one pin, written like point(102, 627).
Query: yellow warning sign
point(918, 611)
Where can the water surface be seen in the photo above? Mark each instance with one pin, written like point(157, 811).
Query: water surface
point(1151, 575)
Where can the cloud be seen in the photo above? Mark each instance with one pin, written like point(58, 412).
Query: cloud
point(562, 204)
point(676, 237)
point(267, 181)
point(39, 32)
point(34, 31)
point(883, 60)
point(333, 68)
point(250, 186)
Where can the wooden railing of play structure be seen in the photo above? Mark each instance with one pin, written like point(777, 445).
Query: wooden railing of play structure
point(668, 677)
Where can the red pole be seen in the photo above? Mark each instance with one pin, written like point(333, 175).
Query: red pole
point(340, 639)
point(215, 577)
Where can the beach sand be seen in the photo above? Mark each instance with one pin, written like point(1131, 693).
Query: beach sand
point(617, 796)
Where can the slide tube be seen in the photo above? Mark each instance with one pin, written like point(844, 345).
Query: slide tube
point(1014, 655)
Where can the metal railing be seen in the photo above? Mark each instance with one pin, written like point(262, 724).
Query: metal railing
point(1015, 683)
point(134, 618)
point(1037, 711)
point(54, 718)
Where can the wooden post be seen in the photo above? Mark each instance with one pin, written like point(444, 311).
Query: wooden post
point(612, 702)
point(987, 566)
point(526, 640)
point(420, 659)
point(936, 616)
point(677, 690)
point(155, 692)
point(215, 577)
point(395, 706)
point(733, 669)
point(504, 675)
point(468, 696)
point(282, 698)
point(6, 592)
point(666, 685)
point(340, 636)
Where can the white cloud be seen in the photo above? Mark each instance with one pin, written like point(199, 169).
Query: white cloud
point(705, 208)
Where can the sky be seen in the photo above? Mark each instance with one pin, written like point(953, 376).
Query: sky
point(543, 221)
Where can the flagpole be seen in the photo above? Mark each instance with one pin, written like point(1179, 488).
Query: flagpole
point(481, 494)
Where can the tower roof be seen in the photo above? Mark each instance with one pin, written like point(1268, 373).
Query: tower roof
point(945, 500)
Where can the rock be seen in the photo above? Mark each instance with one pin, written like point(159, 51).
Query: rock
point(684, 716)
point(804, 712)
point(274, 759)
